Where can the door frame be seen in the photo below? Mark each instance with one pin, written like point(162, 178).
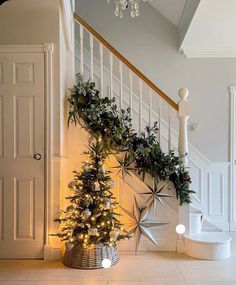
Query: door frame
point(232, 188)
point(47, 50)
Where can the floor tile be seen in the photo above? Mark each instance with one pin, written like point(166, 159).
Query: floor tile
point(221, 271)
point(19, 269)
point(136, 283)
point(148, 267)
point(34, 282)
point(153, 268)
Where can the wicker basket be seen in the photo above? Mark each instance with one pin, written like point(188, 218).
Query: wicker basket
point(90, 258)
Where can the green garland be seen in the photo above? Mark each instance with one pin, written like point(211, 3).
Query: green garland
point(100, 116)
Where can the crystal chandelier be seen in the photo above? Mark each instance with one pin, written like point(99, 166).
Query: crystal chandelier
point(121, 5)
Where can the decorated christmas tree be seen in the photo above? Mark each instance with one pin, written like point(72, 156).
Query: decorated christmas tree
point(91, 219)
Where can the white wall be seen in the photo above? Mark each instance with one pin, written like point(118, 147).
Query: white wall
point(37, 22)
point(150, 42)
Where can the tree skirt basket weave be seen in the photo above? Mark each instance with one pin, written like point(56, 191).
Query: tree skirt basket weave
point(90, 258)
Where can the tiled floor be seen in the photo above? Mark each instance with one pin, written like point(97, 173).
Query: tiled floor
point(144, 269)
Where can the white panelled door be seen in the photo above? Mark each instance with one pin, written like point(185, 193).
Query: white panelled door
point(21, 155)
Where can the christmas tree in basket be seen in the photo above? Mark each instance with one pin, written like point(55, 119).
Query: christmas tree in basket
point(90, 225)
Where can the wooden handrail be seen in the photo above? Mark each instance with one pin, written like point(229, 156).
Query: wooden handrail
point(125, 61)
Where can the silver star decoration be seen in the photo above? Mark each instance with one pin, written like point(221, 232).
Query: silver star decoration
point(155, 195)
point(140, 224)
point(124, 166)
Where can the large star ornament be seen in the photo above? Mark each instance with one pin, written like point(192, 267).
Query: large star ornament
point(124, 166)
point(141, 224)
point(155, 195)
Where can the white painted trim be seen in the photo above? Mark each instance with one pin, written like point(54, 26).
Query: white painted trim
point(232, 156)
point(48, 140)
point(182, 15)
point(68, 21)
point(26, 48)
point(210, 53)
point(52, 253)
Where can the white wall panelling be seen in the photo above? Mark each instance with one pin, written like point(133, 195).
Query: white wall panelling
point(232, 195)
point(218, 194)
point(1, 208)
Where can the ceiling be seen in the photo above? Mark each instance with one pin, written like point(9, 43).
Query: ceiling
point(211, 32)
point(171, 9)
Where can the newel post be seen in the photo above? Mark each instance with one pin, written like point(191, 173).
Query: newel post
point(183, 116)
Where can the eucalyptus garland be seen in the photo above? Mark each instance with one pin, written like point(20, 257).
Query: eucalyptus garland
point(101, 118)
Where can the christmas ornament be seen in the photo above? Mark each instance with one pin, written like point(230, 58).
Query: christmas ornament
point(86, 214)
point(2, 1)
point(96, 186)
point(85, 167)
point(155, 194)
point(141, 224)
point(69, 246)
point(70, 208)
point(111, 183)
point(92, 231)
point(113, 235)
point(103, 169)
point(124, 165)
point(72, 185)
point(107, 204)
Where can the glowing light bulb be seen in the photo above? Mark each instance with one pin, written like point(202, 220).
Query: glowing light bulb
point(106, 263)
point(180, 229)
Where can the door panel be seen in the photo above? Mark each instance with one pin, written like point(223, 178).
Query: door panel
point(21, 136)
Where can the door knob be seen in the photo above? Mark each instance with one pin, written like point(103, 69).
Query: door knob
point(37, 156)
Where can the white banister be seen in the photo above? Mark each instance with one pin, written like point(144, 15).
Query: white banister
point(183, 116)
point(121, 84)
point(91, 56)
point(101, 68)
point(140, 104)
point(159, 118)
point(81, 49)
point(169, 128)
point(150, 107)
point(131, 92)
point(111, 75)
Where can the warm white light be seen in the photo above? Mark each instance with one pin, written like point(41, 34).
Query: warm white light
point(180, 229)
point(106, 263)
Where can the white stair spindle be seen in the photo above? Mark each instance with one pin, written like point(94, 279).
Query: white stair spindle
point(159, 118)
point(81, 49)
point(121, 84)
point(140, 104)
point(169, 128)
point(131, 92)
point(101, 69)
point(183, 116)
point(111, 75)
point(91, 56)
point(150, 107)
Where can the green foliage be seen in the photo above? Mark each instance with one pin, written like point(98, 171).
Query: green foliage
point(100, 116)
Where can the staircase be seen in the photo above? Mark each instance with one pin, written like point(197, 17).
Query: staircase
point(116, 77)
